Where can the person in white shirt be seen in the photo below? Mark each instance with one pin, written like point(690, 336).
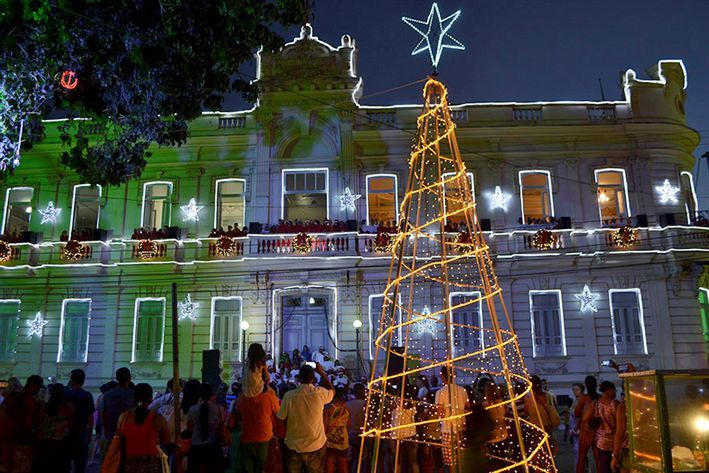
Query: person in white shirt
point(451, 400)
point(302, 409)
point(319, 356)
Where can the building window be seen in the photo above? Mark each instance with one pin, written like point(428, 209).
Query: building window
point(466, 311)
point(226, 327)
point(627, 321)
point(548, 338)
point(454, 197)
point(149, 329)
point(74, 330)
point(18, 210)
point(376, 305)
point(229, 203)
point(9, 316)
point(689, 195)
point(305, 194)
point(704, 310)
point(382, 198)
point(535, 195)
point(157, 205)
point(85, 210)
point(612, 194)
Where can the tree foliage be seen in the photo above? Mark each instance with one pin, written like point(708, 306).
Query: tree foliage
point(144, 68)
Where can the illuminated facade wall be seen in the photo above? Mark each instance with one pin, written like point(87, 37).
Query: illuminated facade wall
point(293, 156)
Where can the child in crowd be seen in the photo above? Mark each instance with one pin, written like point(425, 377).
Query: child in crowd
point(256, 377)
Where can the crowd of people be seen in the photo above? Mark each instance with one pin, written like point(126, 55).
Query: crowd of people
point(548, 222)
point(303, 414)
point(14, 237)
point(150, 233)
point(231, 231)
point(378, 226)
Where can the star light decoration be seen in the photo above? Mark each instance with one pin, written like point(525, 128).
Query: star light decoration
point(186, 309)
point(587, 299)
point(434, 32)
point(49, 214)
point(348, 199)
point(498, 199)
point(668, 192)
point(190, 212)
point(36, 325)
point(427, 325)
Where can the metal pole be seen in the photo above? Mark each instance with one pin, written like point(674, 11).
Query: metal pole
point(243, 346)
point(176, 377)
point(359, 360)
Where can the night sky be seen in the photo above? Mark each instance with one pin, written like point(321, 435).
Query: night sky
point(529, 50)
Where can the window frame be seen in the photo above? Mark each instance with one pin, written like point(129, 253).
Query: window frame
point(396, 192)
point(240, 349)
point(626, 192)
point(372, 335)
point(472, 294)
point(7, 203)
point(72, 218)
point(18, 302)
point(561, 322)
point(693, 193)
point(62, 328)
point(549, 189)
point(136, 311)
point(217, 206)
point(471, 177)
point(145, 193)
point(641, 316)
point(305, 171)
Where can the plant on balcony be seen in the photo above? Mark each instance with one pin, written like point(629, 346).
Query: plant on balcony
point(382, 243)
point(73, 250)
point(544, 240)
point(5, 251)
point(625, 236)
point(147, 249)
point(226, 246)
point(302, 243)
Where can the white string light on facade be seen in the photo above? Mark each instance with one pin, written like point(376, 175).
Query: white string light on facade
point(36, 325)
point(190, 212)
point(348, 200)
point(186, 309)
point(50, 214)
point(668, 192)
point(498, 199)
point(588, 300)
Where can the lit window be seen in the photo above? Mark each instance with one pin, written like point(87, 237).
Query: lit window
point(704, 310)
point(535, 192)
point(157, 205)
point(18, 210)
point(689, 195)
point(627, 321)
point(548, 338)
point(149, 329)
point(74, 330)
point(454, 197)
point(305, 194)
point(466, 312)
point(376, 305)
point(9, 316)
point(226, 327)
point(612, 194)
point(382, 198)
point(230, 203)
point(85, 209)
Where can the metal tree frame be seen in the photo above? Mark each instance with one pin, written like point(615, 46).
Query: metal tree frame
point(426, 258)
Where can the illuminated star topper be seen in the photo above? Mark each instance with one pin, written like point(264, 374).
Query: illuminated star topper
point(498, 199)
point(49, 214)
point(587, 299)
point(36, 325)
point(434, 32)
point(190, 212)
point(668, 193)
point(186, 309)
point(348, 199)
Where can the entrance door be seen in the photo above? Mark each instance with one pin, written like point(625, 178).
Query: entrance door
point(305, 320)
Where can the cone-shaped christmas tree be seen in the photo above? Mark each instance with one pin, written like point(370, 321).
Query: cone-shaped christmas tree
point(443, 315)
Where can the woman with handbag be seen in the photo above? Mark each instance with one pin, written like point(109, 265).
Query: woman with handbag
point(587, 429)
point(142, 432)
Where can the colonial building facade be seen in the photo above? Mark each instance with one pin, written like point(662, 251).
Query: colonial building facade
point(589, 208)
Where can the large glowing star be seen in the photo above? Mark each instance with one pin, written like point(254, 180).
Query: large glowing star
point(186, 309)
point(498, 199)
point(668, 193)
point(49, 214)
point(427, 325)
point(434, 32)
point(348, 200)
point(190, 212)
point(36, 325)
point(587, 299)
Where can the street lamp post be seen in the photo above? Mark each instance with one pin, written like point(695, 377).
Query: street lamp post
point(357, 324)
point(244, 327)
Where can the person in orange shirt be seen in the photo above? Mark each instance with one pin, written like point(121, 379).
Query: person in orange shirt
point(257, 421)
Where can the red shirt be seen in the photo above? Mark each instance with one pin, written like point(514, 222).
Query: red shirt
point(257, 414)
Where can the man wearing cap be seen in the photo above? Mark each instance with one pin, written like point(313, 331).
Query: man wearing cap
point(302, 409)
